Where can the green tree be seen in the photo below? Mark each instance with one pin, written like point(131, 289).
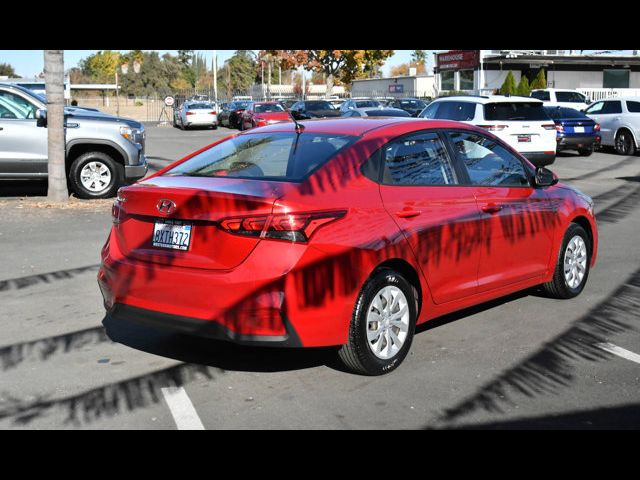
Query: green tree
point(540, 81)
point(7, 70)
point(101, 66)
point(509, 85)
point(339, 66)
point(523, 89)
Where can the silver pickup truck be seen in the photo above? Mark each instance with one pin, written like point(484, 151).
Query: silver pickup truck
point(103, 152)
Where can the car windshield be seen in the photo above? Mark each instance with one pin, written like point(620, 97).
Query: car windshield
point(313, 106)
point(242, 105)
point(505, 111)
point(283, 156)
point(268, 107)
point(573, 97)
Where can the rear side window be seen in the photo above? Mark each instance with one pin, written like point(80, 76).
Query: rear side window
point(557, 113)
point(513, 111)
point(431, 110)
point(459, 111)
point(487, 162)
point(633, 107)
point(418, 159)
point(612, 107)
point(284, 156)
point(544, 96)
point(574, 97)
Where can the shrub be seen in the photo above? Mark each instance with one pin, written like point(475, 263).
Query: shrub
point(139, 103)
point(509, 85)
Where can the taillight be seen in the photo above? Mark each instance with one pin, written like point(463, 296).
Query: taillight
point(560, 128)
point(190, 113)
point(549, 126)
point(596, 128)
point(212, 113)
point(494, 128)
point(118, 214)
point(293, 227)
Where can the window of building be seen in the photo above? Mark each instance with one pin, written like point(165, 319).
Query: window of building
point(615, 79)
point(446, 81)
point(466, 79)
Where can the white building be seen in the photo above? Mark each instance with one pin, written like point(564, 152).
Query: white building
point(484, 71)
point(420, 86)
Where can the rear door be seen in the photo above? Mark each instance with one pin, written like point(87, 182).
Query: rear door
point(439, 218)
point(607, 114)
point(517, 221)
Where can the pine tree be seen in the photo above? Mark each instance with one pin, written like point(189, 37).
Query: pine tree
point(524, 89)
point(540, 81)
point(509, 85)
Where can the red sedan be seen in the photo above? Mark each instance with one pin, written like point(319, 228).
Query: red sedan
point(261, 114)
point(341, 232)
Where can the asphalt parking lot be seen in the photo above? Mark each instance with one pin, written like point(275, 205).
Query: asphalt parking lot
point(523, 361)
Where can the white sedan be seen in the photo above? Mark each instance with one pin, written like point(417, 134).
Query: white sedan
point(196, 114)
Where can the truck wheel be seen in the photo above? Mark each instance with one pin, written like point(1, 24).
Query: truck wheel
point(95, 175)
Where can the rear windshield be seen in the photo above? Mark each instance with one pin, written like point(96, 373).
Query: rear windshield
point(285, 156)
point(314, 106)
point(200, 106)
point(514, 111)
point(387, 113)
point(268, 107)
point(367, 103)
point(557, 113)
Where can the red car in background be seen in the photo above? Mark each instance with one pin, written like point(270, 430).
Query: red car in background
point(344, 232)
point(261, 114)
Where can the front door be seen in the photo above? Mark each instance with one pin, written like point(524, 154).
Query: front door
point(439, 218)
point(517, 220)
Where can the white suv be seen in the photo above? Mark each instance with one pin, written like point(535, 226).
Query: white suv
point(519, 121)
point(555, 97)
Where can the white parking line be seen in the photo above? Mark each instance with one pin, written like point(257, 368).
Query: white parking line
point(621, 352)
point(182, 410)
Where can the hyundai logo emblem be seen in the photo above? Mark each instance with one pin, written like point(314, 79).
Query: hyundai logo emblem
point(166, 206)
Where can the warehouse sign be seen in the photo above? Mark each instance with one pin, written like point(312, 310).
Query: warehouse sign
point(458, 59)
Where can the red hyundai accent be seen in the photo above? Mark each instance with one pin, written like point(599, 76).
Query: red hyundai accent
point(344, 232)
point(260, 114)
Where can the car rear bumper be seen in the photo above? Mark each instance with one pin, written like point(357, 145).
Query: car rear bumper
point(258, 302)
point(581, 141)
point(128, 314)
point(540, 159)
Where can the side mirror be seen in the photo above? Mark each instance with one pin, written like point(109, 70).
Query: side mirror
point(41, 118)
point(545, 177)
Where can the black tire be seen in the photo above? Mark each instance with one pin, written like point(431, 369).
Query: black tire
point(558, 286)
point(357, 355)
point(625, 143)
point(116, 171)
point(586, 152)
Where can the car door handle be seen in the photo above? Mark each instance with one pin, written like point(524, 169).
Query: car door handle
point(408, 213)
point(491, 208)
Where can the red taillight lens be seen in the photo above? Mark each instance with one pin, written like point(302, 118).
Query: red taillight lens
point(118, 214)
point(293, 227)
point(494, 128)
point(596, 128)
point(549, 126)
point(212, 113)
point(190, 113)
point(560, 128)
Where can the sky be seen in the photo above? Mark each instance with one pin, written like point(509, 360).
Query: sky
point(29, 63)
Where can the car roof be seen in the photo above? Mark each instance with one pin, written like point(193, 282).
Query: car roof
point(490, 99)
point(356, 125)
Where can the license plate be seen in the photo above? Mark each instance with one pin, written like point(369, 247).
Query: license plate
point(578, 129)
point(173, 234)
point(524, 138)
